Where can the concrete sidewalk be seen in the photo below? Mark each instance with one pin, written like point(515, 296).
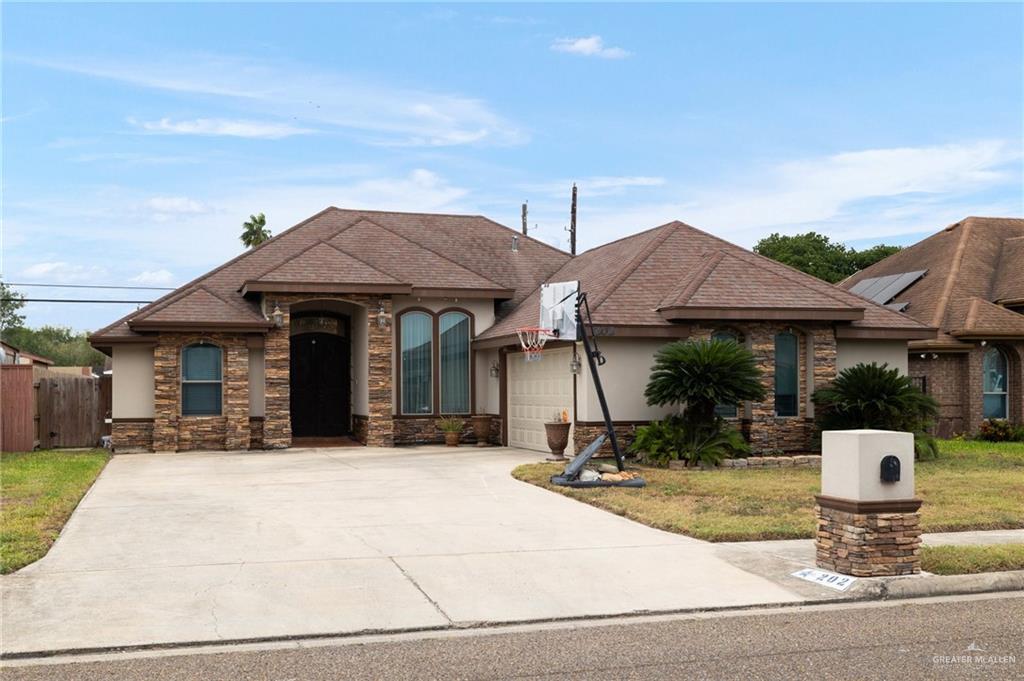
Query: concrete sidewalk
point(777, 560)
point(200, 547)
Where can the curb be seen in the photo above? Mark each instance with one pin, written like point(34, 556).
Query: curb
point(896, 588)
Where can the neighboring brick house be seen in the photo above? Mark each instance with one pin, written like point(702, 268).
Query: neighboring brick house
point(370, 325)
point(967, 281)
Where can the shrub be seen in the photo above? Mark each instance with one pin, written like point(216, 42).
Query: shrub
point(676, 438)
point(873, 396)
point(702, 374)
point(451, 424)
point(1000, 430)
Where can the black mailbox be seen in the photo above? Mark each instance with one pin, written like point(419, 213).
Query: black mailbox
point(890, 468)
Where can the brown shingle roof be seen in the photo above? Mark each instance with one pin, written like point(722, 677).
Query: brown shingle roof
point(635, 280)
point(428, 250)
point(976, 258)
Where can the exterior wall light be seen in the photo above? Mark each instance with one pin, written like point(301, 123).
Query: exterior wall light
point(574, 363)
point(277, 316)
point(494, 371)
point(382, 320)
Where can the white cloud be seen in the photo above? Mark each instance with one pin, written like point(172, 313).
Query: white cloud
point(174, 205)
point(863, 194)
point(590, 46)
point(62, 272)
point(379, 113)
point(601, 185)
point(154, 278)
point(221, 127)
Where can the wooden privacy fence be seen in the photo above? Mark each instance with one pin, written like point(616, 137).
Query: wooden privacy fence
point(51, 409)
point(17, 408)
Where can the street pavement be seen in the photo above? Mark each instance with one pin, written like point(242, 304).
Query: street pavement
point(966, 637)
point(204, 547)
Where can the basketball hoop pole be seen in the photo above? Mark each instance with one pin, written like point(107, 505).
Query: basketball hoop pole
point(585, 332)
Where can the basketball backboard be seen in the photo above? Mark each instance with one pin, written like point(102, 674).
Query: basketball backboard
point(558, 308)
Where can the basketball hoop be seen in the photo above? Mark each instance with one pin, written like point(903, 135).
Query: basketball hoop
point(533, 338)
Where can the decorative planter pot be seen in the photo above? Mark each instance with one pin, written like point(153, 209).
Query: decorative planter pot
point(558, 439)
point(482, 429)
point(452, 439)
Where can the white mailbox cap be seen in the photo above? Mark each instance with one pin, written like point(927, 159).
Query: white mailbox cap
point(851, 464)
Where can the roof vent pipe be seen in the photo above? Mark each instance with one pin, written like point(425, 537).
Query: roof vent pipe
point(515, 244)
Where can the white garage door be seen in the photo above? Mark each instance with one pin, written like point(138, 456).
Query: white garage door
point(537, 393)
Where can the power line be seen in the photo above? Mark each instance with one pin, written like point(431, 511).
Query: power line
point(76, 300)
point(137, 288)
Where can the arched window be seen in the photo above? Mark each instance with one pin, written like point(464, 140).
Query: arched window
point(726, 411)
point(993, 384)
point(417, 362)
point(454, 357)
point(786, 375)
point(201, 380)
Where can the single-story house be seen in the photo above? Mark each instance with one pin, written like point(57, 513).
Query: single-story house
point(372, 325)
point(968, 282)
point(9, 354)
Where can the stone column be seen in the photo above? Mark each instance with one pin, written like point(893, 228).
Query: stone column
point(761, 343)
point(236, 394)
point(277, 423)
point(868, 526)
point(166, 383)
point(380, 424)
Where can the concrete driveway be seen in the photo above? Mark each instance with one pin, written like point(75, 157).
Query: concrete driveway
point(217, 546)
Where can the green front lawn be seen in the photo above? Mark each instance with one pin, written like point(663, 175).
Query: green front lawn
point(972, 486)
point(963, 560)
point(38, 492)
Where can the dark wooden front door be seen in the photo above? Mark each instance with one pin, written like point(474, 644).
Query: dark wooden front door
point(320, 391)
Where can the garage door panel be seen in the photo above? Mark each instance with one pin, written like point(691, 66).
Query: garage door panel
point(537, 392)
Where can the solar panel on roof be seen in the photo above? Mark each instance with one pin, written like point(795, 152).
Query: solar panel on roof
point(883, 289)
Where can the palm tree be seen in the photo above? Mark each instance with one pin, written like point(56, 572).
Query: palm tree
point(254, 231)
point(873, 396)
point(702, 374)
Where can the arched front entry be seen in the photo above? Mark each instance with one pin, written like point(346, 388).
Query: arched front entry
point(321, 393)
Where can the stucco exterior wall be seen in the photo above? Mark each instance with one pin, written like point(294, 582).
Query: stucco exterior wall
point(133, 382)
point(851, 352)
point(488, 389)
point(624, 377)
point(360, 361)
point(257, 376)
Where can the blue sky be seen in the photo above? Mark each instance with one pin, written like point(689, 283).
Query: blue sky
point(137, 138)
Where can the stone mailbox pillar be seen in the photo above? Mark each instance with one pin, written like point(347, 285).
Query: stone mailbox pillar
point(868, 520)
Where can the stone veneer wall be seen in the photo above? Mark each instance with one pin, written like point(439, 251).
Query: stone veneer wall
point(132, 434)
point(174, 432)
point(768, 432)
point(277, 356)
point(421, 430)
point(255, 432)
point(360, 427)
point(585, 432)
point(868, 544)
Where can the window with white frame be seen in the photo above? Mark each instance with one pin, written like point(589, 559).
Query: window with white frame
point(993, 384)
